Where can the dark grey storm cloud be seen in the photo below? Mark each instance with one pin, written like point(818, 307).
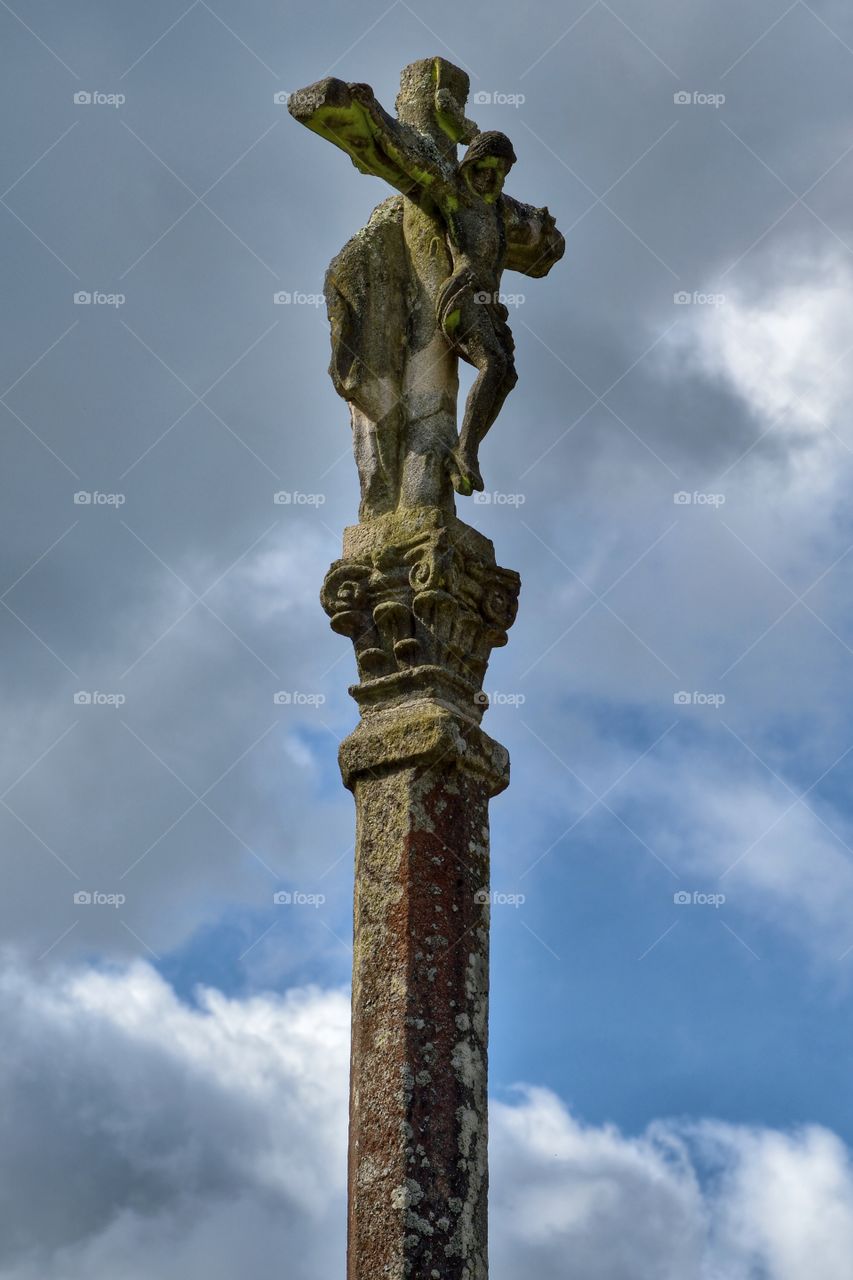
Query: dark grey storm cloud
point(670, 477)
point(198, 398)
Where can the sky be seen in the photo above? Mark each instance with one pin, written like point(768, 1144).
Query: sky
point(672, 960)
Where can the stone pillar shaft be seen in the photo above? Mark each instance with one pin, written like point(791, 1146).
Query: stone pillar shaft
point(418, 1164)
point(424, 603)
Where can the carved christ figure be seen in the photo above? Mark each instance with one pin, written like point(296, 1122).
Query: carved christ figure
point(433, 264)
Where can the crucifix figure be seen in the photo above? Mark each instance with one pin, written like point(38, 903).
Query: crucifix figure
point(424, 602)
point(449, 239)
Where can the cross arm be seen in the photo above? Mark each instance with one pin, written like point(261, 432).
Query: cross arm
point(533, 243)
point(349, 116)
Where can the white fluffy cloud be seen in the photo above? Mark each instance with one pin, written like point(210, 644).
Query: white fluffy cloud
point(705, 1201)
point(728, 825)
point(154, 1139)
point(151, 1138)
point(784, 353)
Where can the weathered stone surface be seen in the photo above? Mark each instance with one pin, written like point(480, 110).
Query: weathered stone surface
point(367, 288)
point(422, 778)
point(432, 97)
point(419, 287)
point(424, 602)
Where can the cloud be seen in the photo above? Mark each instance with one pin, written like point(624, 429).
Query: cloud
point(683, 1201)
point(721, 820)
point(151, 1138)
point(104, 797)
point(777, 858)
point(782, 1205)
point(655, 198)
point(155, 1138)
point(783, 347)
point(561, 1189)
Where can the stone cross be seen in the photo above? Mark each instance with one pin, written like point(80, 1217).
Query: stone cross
point(424, 602)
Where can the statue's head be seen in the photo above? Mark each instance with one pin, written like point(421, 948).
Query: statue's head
point(486, 163)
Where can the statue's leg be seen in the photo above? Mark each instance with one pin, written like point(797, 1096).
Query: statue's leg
point(485, 346)
point(430, 425)
point(376, 448)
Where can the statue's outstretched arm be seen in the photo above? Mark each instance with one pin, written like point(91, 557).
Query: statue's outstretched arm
point(533, 243)
point(349, 116)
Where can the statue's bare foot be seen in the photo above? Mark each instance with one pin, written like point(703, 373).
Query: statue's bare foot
point(465, 474)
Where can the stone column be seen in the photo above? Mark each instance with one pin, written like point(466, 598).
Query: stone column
point(424, 602)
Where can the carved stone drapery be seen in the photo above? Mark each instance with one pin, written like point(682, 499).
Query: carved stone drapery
point(393, 359)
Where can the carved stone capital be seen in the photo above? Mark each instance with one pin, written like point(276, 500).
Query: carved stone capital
point(424, 602)
point(422, 735)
